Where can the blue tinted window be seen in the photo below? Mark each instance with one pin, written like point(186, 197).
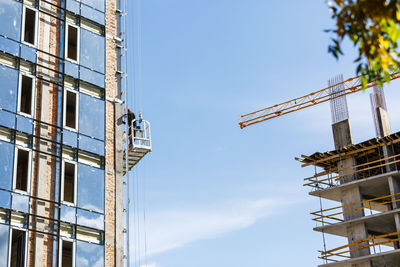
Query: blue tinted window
point(24, 124)
point(6, 165)
point(97, 4)
point(92, 14)
point(70, 138)
point(90, 219)
point(9, 46)
point(20, 203)
point(92, 77)
point(7, 119)
point(5, 199)
point(73, 5)
point(28, 53)
point(90, 188)
point(91, 116)
point(8, 88)
point(91, 145)
point(4, 234)
point(89, 255)
point(10, 19)
point(68, 214)
point(71, 69)
point(92, 50)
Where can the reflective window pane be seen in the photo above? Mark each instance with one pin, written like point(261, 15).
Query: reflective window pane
point(90, 188)
point(10, 19)
point(92, 77)
point(90, 219)
point(68, 214)
point(92, 50)
point(92, 14)
point(89, 255)
point(73, 6)
point(20, 203)
point(91, 116)
point(6, 166)
point(5, 199)
point(4, 234)
point(97, 4)
point(24, 124)
point(91, 145)
point(28, 53)
point(8, 88)
point(70, 138)
point(9, 46)
point(71, 69)
point(7, 119)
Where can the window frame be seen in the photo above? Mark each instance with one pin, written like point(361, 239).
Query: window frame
point(33, 100)
point(28, 189)
point(10, 244)
point(78, 42)
point(76, 109)
point(73, 241)
point(23, 26)
point(75, 182)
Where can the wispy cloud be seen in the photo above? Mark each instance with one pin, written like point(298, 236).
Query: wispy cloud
point(167, 230)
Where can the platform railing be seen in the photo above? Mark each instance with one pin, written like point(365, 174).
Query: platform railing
point(140, 136)
point(363, 170)
point(343, 251)
point(322, 216)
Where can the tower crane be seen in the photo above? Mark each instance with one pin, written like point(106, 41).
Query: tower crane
point(350, 86)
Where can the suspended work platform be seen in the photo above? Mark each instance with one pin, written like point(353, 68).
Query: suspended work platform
point(139, 142)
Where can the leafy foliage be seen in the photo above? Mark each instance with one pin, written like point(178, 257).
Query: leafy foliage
point(374, 28)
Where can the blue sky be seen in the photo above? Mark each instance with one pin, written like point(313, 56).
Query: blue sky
point(216, 195)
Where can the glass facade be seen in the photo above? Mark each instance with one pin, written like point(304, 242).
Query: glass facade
point(83, 145)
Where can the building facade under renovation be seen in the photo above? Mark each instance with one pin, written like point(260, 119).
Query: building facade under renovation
point(363, 182)
point(61, 134)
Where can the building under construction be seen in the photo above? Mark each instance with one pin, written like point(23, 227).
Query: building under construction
point(363, 180)
point(63, 153)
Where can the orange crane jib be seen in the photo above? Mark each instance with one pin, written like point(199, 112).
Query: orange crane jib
point(350, 86)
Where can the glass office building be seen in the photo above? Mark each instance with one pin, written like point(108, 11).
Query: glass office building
point(61, 167)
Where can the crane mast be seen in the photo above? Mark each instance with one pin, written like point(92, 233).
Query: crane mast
point(350, 86)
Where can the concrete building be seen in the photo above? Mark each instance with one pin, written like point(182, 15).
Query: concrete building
point(363, 180)
point(61, 133)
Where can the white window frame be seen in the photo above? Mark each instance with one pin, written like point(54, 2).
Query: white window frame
point(10, 245)
point(33, 102)
point(75, 181)
point(78, 43)
point(65, 110)
point(36, 27)
point(17, 147)
point(62, 239)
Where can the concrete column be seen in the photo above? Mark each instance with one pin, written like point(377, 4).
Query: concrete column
point(342, 134)
point(343, 137)
point(394, 186)
point(383, 121)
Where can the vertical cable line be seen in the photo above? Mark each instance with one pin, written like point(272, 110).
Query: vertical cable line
point(134, 103)
point(126, 105)
point(144, 213)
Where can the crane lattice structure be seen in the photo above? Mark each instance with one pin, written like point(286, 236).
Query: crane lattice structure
point(349, 86)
